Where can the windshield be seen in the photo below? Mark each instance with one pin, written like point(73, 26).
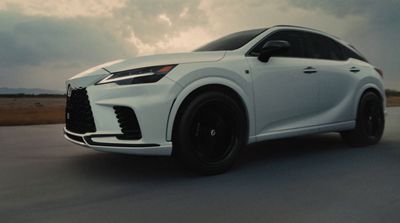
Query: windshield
point(231, 42)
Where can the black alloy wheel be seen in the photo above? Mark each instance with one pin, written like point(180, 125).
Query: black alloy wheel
point(210, 131)
point(370, 122)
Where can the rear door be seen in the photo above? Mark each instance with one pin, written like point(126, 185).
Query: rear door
point(336, 80)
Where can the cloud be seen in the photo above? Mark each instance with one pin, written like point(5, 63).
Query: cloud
point(376, 35)
point(235, 15)
point(44, 42)
point(382, 12)
point(31, 43)
point(51, 40)
point(372, 26)
point(156, 21)
point(38, 40)
point(63, 8)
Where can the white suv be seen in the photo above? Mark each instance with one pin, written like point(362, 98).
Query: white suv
point(247, 87)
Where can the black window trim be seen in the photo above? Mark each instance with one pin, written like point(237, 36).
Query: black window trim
point(248, 53)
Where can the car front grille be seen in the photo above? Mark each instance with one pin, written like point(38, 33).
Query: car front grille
point(128, 123)
point(78, 113)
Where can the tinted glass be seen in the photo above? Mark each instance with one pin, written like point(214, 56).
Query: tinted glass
point(336, 52)
point(322, 47)
point(348, 53)
point(295, 39)
point(332, 49)
point(231, 42)
point(315, 47)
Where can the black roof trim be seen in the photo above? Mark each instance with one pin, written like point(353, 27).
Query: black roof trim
point(310, 29)
point(301, 27)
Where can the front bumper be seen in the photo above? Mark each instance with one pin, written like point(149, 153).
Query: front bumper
point(150, 102)
point(110, 143)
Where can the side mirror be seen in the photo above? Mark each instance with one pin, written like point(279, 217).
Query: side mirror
point(271, 48)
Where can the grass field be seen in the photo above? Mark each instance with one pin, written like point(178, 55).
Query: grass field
point(393, 101)
point(33, 110)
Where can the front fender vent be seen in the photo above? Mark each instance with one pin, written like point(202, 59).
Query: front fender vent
point(128, 123)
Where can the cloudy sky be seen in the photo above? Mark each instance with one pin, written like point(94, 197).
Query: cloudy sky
point(43, 42)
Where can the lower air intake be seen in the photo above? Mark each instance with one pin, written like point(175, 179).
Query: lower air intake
point(128, 123)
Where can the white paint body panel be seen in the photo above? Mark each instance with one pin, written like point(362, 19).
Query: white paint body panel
point(164, 59)
point(279, 98)
point(285, 97)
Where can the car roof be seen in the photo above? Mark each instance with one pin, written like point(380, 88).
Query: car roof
point(294, 26)
point(308, 29)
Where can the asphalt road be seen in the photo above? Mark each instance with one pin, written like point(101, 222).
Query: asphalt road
point(44, 178)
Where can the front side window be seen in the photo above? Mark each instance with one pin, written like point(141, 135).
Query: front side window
point(310, 45)
point(295, 39)
point(231, 42)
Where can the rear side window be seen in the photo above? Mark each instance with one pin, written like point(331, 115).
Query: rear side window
point(333, 51)
point(322, 47)
point(348, 53)
point(293, 37)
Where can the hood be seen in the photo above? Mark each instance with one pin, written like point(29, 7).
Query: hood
point(165, 59)
point(90, 76)
point(96, 73)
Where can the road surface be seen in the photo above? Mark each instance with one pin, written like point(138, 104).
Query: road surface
point(44, 178)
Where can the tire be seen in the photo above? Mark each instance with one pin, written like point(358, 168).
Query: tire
point(370, 122)
point(209, 132)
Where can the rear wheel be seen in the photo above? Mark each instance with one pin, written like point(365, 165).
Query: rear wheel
point(370, 122)
point(209, 133)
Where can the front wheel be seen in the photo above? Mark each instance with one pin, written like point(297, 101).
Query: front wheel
point(209, 133)
point(370, 122)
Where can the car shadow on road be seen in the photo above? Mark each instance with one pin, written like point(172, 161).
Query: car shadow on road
point(120, 167)
point(296, 146)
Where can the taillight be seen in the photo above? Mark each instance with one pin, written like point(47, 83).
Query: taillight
point(380, 72)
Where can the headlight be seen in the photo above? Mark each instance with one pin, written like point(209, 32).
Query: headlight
point(138, 76)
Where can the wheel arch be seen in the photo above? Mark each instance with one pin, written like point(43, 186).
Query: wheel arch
point(218, 84)
point(369, 88)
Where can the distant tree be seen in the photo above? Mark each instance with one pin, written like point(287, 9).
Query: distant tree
point(391, 92)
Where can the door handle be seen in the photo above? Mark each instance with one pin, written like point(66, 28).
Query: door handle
point(354, 70)
point(309, 70)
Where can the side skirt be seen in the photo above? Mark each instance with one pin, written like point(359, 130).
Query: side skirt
point(333, 127)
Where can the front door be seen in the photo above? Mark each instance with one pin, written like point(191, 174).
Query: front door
point(286, 88)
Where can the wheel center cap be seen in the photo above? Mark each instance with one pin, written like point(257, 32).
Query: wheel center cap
point(213, 132)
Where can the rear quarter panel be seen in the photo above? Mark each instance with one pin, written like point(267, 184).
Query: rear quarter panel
point(368, 79)
point(341, 89)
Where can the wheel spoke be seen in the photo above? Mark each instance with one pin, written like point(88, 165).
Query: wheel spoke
point(373, 119)
point(370, 128)
point(212, 131)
